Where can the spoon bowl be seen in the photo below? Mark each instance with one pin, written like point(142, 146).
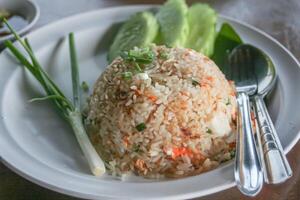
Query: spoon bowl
point(264, 70)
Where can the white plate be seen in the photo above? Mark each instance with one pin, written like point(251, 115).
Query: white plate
point(38, 145)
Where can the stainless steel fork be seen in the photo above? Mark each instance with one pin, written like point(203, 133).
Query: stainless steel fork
point(247, 171)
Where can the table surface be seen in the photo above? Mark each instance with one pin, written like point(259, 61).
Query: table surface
point(278, 18)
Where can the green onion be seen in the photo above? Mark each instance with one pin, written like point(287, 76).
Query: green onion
point(127, 75)
point(208, 131)
point(136, 147)
point(74, 72)
point(141, 55)
point(140, 127)
point(228, 102)
point(194, 82)
point(70, 111)
point(46, 98)
point(164, 55)
point(232, 153)
point(84, 86)
point(138, 68)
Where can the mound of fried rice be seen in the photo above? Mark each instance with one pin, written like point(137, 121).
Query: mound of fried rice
point(175, 118)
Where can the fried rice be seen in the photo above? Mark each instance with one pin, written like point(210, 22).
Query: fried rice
point(175, 118)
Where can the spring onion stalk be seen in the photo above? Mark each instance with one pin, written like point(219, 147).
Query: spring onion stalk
point(70, 111)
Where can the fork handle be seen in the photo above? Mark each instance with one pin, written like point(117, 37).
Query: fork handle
point(248, 172)
point(276, 166)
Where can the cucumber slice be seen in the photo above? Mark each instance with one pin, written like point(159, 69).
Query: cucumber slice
point(202, 22)
point(139, 31)
point(173, 23)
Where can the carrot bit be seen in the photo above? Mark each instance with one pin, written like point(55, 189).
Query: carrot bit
point(125, 141)
point(232, 145)
point(152, 98)
point(210, 78)
point(140, 164)
point(180, 151)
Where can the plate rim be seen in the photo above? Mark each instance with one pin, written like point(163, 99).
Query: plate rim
point(74, 193)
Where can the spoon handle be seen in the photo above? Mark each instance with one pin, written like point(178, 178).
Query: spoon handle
point(276, 167)
point(247, 171)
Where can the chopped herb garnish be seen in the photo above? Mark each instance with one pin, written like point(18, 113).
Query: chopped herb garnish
point(228, 102)
point(140, 127)
point(194, 82)
point(136, 147)
point(137, 67)
point(141, 55)
point(232, 153)
point(208, 131)
point(127, 75)
point(84, 86)
point(164, 55)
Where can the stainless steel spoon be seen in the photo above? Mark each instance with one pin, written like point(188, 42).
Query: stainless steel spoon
point(247, 171)
point(275, 165)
